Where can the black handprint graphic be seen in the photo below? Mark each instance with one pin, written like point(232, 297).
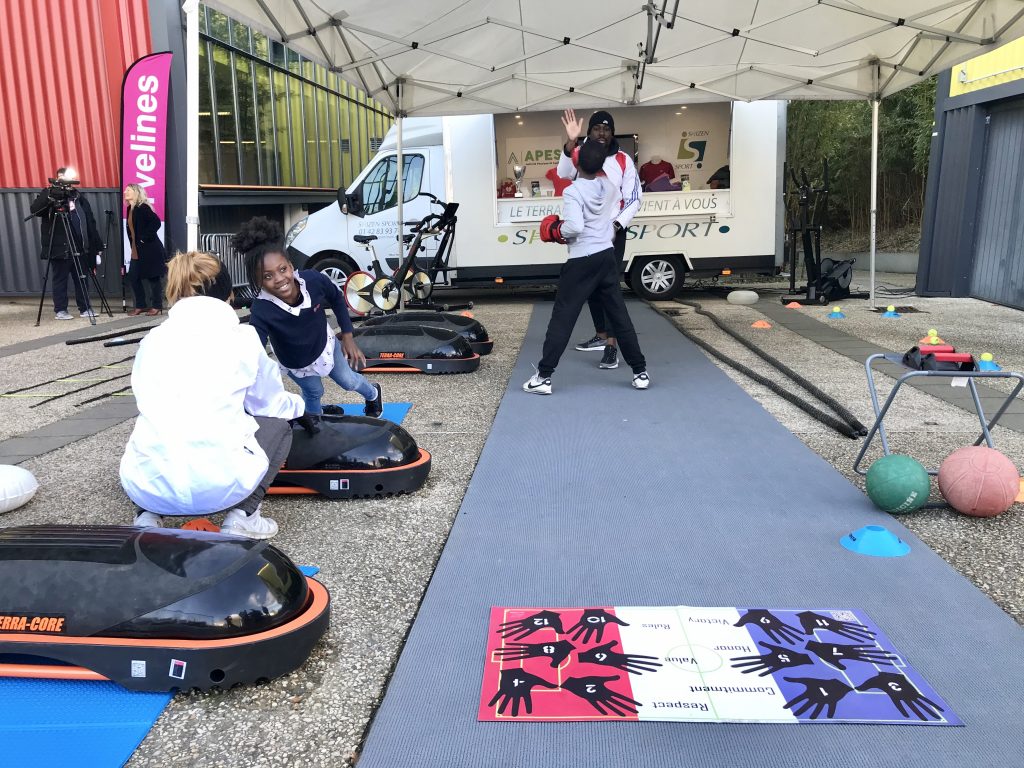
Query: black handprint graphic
point(820, 694)
point(835, 655)
point(557, 651)
point(514, 686)
point(776, 629)
point(593, 622)
point(594, 690)
point(903, 694)
point(851, 630)
point(629, 662)
point(517, 630)
point(778, 657)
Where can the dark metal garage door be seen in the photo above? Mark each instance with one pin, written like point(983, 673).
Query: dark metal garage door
point(998, 271)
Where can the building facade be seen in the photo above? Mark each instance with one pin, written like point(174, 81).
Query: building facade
point(279, 134)
point(972, 237)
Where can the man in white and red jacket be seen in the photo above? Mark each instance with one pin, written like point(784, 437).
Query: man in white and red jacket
point(621, 172)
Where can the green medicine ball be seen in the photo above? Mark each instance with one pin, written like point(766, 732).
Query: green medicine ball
point(898, 483)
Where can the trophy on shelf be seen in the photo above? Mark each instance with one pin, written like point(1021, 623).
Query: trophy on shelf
point(519, 171)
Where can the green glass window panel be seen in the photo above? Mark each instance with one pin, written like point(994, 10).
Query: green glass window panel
point(265, 124)
point(260, 45)
point(217, 25)
point(278, 54)
point(324, 138)
point(358, 124)
point(284, 128)
point(312, 150)
point(207, 147)
point(345, 143)
point(248, 149)
point(294, 64)
point(298, 139)
point(240, 36)
point(224, 104)
point(202, 17)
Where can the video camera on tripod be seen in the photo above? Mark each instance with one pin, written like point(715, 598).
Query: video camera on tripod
point(69, 238)
point(62, 190)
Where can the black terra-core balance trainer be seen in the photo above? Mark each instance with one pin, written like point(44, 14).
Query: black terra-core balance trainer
point(153, 609)
point(352, 457)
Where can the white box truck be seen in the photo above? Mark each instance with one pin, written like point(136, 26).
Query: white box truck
point(694, 228)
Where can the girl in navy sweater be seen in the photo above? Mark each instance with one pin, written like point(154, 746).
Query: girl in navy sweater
point(290, 311)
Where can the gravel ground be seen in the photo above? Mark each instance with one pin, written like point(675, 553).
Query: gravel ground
point(987, 551)
point(377, 556)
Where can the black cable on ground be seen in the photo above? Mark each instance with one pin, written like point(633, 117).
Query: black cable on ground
point(114, 335)
point(121, 342)
point(104, 395)
point(80, 389)
point(69, 375)
point(826, 398)
point(825, 418)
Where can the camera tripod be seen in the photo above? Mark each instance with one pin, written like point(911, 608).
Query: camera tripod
point(80, 276)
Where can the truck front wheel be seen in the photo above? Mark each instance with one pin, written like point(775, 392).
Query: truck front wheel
point(656, 278)
point(336, 269)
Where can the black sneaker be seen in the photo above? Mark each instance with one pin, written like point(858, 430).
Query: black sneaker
point(595, 344)
point(374, 408)
point(611, 357)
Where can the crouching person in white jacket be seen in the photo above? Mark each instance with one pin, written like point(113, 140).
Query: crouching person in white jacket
point(213, 427)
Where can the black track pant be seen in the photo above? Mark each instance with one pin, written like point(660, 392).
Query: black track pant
point(595, 275)
point(275, 438)
point(60, 271)
point(597, 312)
point(138, 284)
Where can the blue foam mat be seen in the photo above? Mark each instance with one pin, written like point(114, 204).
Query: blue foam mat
point(71, 722)
point(392, 411)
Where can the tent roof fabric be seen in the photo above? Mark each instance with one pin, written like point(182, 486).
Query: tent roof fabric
point(446, 57)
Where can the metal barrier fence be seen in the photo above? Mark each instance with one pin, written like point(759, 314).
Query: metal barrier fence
point(220, 245)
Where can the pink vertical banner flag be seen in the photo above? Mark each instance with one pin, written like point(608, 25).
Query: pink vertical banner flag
point(145, 93)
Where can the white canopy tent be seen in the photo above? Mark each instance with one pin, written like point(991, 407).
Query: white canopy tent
point(448, 57)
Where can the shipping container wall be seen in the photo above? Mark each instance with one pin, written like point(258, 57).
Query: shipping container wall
point(21, 269)
point(61, 66)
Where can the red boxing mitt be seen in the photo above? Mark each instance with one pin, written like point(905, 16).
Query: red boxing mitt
point(551, 229)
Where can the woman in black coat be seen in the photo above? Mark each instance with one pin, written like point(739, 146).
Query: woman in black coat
point(148, 260)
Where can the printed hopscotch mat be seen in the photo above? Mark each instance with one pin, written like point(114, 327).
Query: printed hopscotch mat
point(679, 663)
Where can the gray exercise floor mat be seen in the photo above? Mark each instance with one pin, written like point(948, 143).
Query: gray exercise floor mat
point(686, 494)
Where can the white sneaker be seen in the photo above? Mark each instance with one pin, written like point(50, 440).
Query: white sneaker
point(641, 380)
point(253, 526)
point(538, 385)
point(148, 520)
point(88, 313)
point(62, 315)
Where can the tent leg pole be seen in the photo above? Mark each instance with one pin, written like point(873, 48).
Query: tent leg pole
point(401, 195)
point(874, 193)
point(191, 9)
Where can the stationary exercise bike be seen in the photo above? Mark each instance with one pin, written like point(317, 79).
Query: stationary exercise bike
point(410, 284)
point(828, 280)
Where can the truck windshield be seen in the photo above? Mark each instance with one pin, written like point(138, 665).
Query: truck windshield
point(378, 188)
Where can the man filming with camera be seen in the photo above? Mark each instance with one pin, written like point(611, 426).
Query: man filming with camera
point(70, 240)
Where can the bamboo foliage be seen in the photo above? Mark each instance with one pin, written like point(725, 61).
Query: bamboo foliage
point(841, 131)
